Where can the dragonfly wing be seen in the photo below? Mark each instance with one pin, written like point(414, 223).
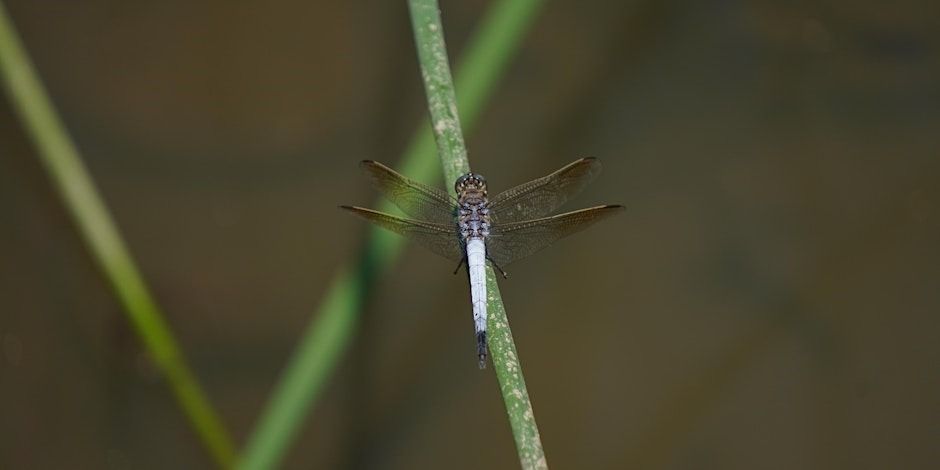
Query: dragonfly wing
point(542, 196)
point(510, 242)
point(441, 239)
point(416, 199)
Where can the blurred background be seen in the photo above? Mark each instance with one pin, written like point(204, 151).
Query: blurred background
point(768, 300)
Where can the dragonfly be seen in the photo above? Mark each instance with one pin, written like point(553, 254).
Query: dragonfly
point(472, 228)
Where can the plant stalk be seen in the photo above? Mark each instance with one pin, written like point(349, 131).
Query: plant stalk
point(76, 188)
point(445, 123)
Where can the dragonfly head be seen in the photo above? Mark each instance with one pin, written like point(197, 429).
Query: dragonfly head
point(470, 182)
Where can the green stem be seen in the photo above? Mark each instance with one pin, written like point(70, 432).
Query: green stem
point(439, 88)
point(442, 104)
point(511, 382)
point(99, 232)
point(331, 330)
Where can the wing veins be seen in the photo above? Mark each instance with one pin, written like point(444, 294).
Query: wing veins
point(543, 195)
point(415, 199)
point(510, 242)
point(440, 239)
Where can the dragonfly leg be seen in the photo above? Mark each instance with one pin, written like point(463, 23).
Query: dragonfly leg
point(505, 276)
point(462, 260)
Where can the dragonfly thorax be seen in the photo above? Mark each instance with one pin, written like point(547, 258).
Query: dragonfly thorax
point(473, 214)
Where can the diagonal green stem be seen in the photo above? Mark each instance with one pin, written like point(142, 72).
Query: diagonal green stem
point(328, 335)
point(511, 381)
point(442, 103)
point(439, 88)
point(87, 209)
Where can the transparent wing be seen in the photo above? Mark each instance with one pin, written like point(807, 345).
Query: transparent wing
point(416, 199)
point(441, 239)
point(542, 196)
point(510, 242)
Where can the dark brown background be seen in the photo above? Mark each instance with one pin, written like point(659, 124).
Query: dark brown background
point(768, 300)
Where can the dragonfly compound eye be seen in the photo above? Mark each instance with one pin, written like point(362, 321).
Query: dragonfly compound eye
point(470, 181)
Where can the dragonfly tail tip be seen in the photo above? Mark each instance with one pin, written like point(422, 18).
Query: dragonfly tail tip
point(481, 348)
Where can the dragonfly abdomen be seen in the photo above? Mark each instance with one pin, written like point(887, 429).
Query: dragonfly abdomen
point(476, 265)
